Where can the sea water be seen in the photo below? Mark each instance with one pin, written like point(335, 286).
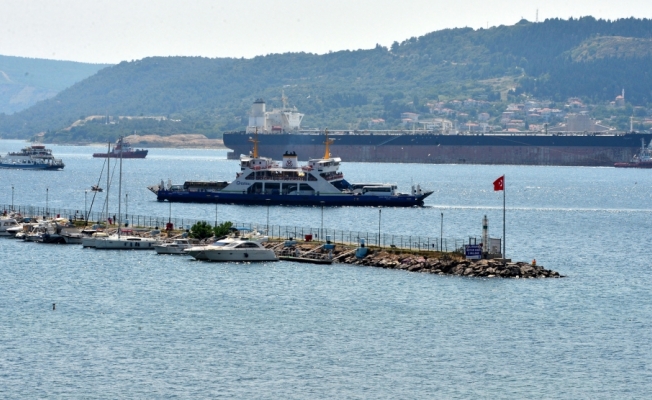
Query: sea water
point(134, 324)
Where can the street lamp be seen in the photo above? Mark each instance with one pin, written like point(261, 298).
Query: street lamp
point(379, 214)
point(441, 234)
point(321, 231)
point(267, 200)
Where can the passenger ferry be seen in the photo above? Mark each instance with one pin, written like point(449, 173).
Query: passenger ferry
point(264, 181)
point(31, 157)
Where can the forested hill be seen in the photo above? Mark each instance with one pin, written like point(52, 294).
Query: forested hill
point(554, 59)
point(24, 81)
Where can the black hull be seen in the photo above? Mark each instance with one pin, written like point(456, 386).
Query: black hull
point(507, 149)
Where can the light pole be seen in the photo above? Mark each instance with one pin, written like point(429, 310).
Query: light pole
point(441, 234)
point(267, 200)
point(379, 214)
point(321, 231)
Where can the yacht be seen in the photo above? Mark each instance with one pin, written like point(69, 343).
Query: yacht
point(7, 225)
point(233, 250)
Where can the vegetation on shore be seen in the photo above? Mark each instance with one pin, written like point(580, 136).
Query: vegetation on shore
point(555, 59)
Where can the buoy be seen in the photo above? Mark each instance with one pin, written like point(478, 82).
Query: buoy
point(54, 306)
point(534, 262)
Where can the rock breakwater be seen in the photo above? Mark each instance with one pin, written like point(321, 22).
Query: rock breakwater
point(433, 263)
point(449, 266)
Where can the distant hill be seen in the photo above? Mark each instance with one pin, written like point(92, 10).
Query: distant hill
point(25, 81)
point(555, 59)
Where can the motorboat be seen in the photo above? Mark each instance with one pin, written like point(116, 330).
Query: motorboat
point(233, 250)
point(9, 223)
point(75, 236)
point(177, 246)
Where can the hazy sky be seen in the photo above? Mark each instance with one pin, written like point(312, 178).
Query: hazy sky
point(104, 31)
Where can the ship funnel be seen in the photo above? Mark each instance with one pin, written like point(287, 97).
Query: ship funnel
point(290, 160)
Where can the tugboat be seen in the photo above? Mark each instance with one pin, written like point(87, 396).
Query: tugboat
point(263, 181)
point(32, 157)
point(122, 147)
point(641, 160)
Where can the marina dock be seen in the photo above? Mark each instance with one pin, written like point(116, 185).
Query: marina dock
point(301, 244)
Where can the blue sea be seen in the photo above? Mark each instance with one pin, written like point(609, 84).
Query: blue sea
point(138, 325)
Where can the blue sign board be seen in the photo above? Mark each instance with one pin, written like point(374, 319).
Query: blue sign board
point(473, 251)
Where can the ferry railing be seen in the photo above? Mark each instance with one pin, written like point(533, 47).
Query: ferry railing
point(284, 232)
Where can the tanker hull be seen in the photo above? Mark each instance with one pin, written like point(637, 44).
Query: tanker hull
point(569, 150)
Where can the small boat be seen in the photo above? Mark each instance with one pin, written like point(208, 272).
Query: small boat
point(122, 149)
point(233, 250)
point(306, 260)
point(7, 224)
point(96, 188)
point(75, 236)
point(175, 247)
point(641, 160)
point(32, 157)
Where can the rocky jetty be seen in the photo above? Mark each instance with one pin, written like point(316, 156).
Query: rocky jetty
point(450, 266)
point(426, 262)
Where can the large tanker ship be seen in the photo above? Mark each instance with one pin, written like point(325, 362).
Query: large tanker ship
point(522, 148)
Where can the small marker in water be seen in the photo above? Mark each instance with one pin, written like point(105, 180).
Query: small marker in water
point(54, 306)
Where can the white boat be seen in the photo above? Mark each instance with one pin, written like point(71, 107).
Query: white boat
point(175, 247)
point(13, 231)
point(8, 223)
point(89, 241)
point(75, 236)
point(31, 157)
point(121, 242)
point(233, 250)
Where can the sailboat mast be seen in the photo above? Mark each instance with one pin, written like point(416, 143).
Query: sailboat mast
point(108, 176)
point(120, 191)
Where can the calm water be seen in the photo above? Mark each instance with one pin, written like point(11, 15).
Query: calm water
point(130, 324)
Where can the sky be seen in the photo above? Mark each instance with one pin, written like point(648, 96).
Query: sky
point(101, 31)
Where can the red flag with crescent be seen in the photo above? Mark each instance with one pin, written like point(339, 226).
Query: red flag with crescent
point(499, 184)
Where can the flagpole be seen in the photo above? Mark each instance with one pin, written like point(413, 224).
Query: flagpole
point(504, 190)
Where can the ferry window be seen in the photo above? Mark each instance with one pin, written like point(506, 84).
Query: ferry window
point(256, 188)
point(272, 187)
point(305, 187)
point(289, 187)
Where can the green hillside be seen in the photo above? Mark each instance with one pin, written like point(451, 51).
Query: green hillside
point(556, 59)
point(25, 81)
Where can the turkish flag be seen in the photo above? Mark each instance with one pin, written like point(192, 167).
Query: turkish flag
point(499, 184)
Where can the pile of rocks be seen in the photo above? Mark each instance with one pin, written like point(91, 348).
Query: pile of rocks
point(479, 268)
